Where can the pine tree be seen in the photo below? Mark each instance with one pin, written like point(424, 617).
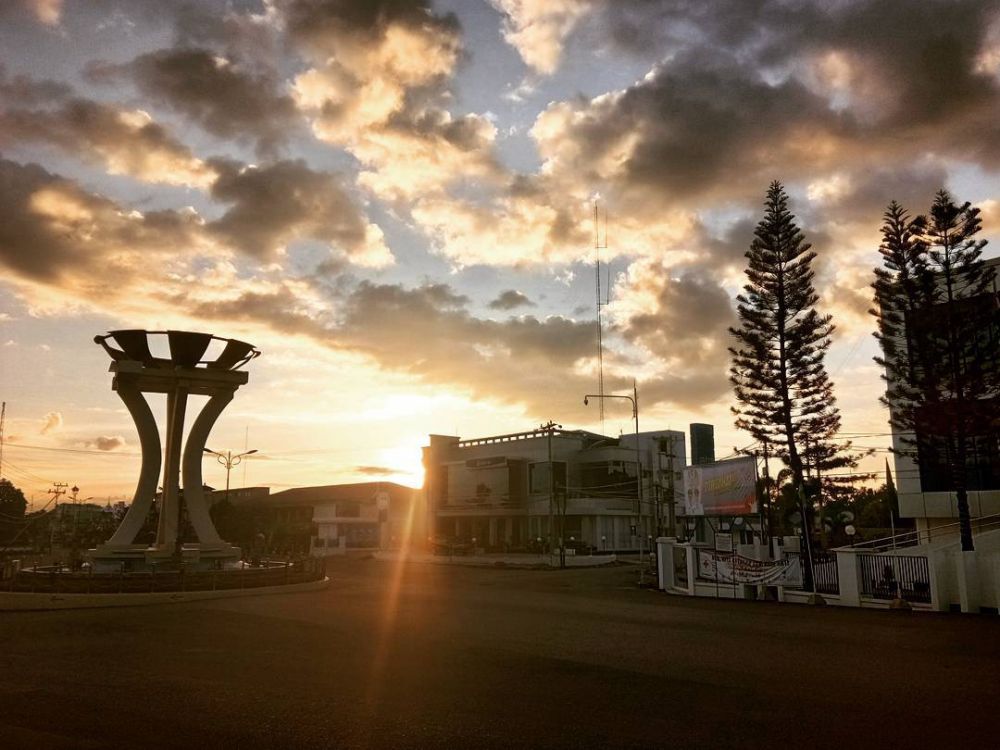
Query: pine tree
point(903, 288)
point(939, 328)
point(784, 396)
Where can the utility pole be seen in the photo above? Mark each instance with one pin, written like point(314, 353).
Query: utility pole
point(767, 490)
point(549, 427)
point(671, 493)
point(658, 492)
point(552, 494)
point(58, 488)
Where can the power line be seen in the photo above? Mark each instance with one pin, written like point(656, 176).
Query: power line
point(26, 472)
point(73, 450)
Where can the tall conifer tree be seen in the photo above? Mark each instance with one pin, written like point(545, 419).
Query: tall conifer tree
point(784, 396)
point(939, 330)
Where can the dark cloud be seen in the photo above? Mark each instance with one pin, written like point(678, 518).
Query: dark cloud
point(125, 142)
point(728, 250)
point(225, 98)
point(688, 324)
point(428, 332)
point(753, 91)
point(864, 195)
point(107, 442)
point(25, 91)
point(703, 128)
point(284, 201)
point(52, 230)
point(511, 299)
point(321, 24)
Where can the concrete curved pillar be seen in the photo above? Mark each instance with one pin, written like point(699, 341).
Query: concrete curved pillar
point(194, 496)
point(170, 505)
point(145, 490)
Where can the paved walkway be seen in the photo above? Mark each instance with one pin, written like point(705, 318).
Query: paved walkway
point(501, 560)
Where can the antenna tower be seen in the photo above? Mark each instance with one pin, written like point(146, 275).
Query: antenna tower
point(3, 418)
point(599, 245)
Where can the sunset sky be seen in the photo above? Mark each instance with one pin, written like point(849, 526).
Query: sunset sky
point(393, 201)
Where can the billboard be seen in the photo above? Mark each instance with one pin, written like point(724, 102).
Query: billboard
point(724, 488)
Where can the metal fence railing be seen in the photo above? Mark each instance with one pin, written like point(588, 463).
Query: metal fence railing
point(826, 577)
point(58, 580)
point(883, 576)
point(925, 536)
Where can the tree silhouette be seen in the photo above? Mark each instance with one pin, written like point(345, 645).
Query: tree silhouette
point(12, 506)
point(784, 396)
point(939, 331)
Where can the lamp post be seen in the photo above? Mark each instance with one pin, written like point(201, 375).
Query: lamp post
point(228, 460)
point(634, 399)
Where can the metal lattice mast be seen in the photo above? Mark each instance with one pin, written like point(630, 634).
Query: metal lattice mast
point(601, 302)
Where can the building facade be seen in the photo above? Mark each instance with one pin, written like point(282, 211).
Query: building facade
point(702, 443)
point(334, 519)
point(526, 491)
point(923, 486)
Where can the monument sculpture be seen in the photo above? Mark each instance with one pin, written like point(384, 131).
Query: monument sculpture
point(199, 364)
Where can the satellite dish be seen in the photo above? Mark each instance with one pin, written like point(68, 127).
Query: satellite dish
point(846, 516)
point(738, 521)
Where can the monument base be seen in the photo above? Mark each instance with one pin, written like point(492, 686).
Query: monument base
point(108, 558)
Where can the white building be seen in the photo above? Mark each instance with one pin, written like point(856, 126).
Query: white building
point(335, 519)
point(923, 489)
point(506, 492)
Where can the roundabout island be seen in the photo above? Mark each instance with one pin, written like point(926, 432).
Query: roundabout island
point(123, 572)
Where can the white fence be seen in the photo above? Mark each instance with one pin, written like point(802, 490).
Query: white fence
point(931, 574)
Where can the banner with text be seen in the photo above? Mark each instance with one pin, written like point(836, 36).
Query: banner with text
point(725, 488)
point(732, 568)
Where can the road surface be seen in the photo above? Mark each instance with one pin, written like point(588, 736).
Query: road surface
point(419, 656)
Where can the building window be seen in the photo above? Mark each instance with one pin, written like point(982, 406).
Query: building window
point(611, 479)
point(472, 485)
point(349, 509)
point(982, 463)
point(539, 473)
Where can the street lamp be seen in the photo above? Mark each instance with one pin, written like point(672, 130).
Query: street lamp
point(228, 460)
point(634, 399)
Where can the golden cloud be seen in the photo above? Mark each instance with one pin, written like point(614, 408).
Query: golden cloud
point(537, 29)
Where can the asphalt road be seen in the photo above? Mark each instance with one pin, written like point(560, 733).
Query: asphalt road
point(434, 656)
